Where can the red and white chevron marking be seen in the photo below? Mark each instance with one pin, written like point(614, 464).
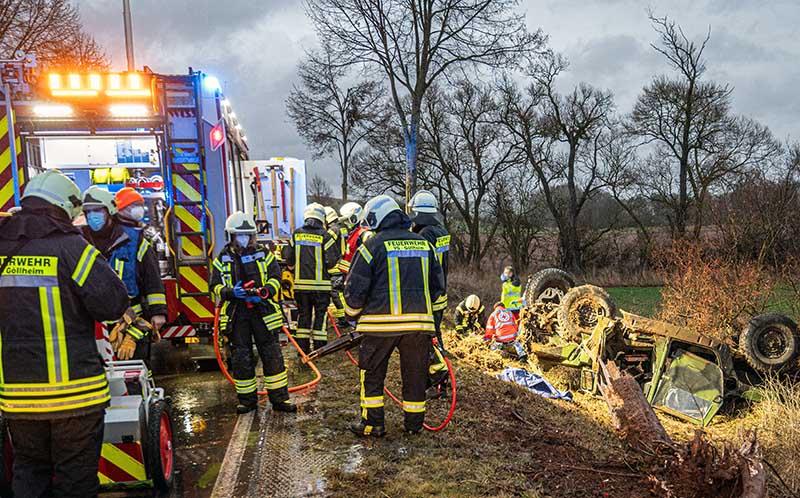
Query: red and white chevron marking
point(177, 331)
point(103, 344)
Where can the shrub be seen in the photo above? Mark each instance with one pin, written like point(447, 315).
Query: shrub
point(709, 292)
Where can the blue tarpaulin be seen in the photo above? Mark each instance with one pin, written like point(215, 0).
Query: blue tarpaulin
point(534, 383)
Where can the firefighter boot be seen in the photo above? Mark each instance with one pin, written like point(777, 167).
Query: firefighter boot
point(242, 408)
point(284, 406)
point(360, 428)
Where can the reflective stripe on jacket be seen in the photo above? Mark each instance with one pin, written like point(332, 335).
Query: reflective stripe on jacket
point(501, 326)
point(311, 252)
point(439, 238)
point(465, 319)
point(257, 264)
point(354, 241)
point(394, 278)
point(51, 294)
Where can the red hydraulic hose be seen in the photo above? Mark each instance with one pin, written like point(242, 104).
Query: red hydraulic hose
point(224, 369)
point(453, 390)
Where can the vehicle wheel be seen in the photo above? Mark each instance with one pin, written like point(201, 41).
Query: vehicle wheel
point(770, 342)
point(6, 460)
point(160, 457)
point(548, 286)
point(580, 308)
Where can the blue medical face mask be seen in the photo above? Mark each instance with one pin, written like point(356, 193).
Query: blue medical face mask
point(503, 277)
point(96, 220)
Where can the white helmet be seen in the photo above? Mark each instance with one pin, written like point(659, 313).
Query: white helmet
point(95, 197)
point(351, 213)
point(240, 222)
point(423, 202)
point(330, 215)
point(314, 211)
point(473, 302)
point(55, 188)
point(378, 208)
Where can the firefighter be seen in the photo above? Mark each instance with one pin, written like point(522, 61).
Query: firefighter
point(511, 293)
point(469, 315)
point(248, 317)
point(311, 254)
point(501, 328)
point(393, 282)
point(338, 233)
point(426, 221)
point(351, 214)
point(53, 390)
point(122, 242)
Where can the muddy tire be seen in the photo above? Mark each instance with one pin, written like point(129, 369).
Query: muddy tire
point(770, 342)
point(160, 456)
point(580, 308)
point(548, 286)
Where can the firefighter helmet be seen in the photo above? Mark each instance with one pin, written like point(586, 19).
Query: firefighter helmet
point(240, 222)
point(378, 208)
point(330, 215)
point(96, 197)
point(351, 212)
point(314, 211)
point(423, 202)
point(55, 188)
point(473, 302)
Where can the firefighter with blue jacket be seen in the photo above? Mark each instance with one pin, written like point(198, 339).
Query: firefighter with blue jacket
point(53, 390)
point(247, 316)
point(120, 239)
point(394, 279)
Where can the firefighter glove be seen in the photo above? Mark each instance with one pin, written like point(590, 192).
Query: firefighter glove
point(238, 291)
point(125, 351)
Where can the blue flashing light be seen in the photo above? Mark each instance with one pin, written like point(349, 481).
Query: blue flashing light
point(211, 83)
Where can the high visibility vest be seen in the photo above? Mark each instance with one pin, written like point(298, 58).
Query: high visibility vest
point(353, 243)
point(501, 326)
point(511, 296)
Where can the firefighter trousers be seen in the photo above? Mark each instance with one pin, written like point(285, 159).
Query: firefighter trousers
point(248, 327)
point(437, 371)
point(312, 308)
point(373, 360)
point(57, 457)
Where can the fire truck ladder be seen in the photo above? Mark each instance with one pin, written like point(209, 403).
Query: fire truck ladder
point(190, 232)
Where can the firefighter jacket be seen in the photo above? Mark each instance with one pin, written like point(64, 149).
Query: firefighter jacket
point(466, 319)
point(338, 233)
point(354, 241)
point(311, 253)
point(512, 294)
point(428, 226)
point(132, 256)
point(51, 293)
point(393, 281)
point(256, 263)
point(501, 326)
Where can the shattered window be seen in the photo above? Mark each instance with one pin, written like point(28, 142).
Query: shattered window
point(691, 386)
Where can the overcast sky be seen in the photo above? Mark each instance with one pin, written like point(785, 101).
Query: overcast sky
point(253, 47)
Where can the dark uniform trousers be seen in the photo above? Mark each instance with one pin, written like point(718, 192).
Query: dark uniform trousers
point(57, 457)
point(248, 327)
point(373, 360)
point(312, 310)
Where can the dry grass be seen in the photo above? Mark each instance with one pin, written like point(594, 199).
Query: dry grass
point(779, 432)
point(710, 293)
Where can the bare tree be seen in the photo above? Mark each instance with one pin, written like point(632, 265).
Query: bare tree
point(330, 117)
point(52, 30)
point(465, 153)
point(319, 190)
point(682, 116)
point(414, 43)
point(559, 137)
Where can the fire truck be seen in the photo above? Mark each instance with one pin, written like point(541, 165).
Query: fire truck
point(174, 138)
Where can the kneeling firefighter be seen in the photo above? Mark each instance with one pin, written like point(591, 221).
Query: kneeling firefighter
point(394, 279)
point(248, 316)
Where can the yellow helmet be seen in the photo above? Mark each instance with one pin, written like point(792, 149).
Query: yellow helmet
point(240, 222)
point(473, 302)
point(330, 215)
point(95, 196)
point(314, 211)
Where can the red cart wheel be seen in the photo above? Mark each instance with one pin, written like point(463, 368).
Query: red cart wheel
point(160, 452)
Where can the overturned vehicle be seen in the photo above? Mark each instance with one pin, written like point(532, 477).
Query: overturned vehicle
point(683, 373)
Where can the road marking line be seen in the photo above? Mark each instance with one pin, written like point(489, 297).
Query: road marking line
point(229, 472)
